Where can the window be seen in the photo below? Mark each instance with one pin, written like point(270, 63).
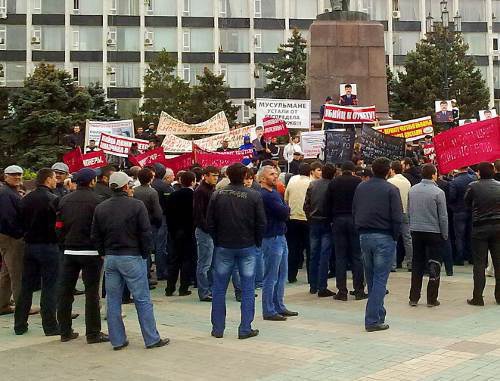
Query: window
point(3, 8)
point(258, 8)
point(164, 38)
point(90, 38)
point(128, 7)
point(37, 6)
point(76, 74)
point(270, 40)
point(89, 72)
point(127, 74)
point(410, 10)
point(201, 8)
point(405, 42)
point(186, 7)
point(3, 81)
point(3, 37)
point(472, 10)
point(113, 7)
point(17, 6)
point(186, 73)
point(76, 6)
point(90, 7)
point(14, 74)
point(76, 40)
point(377, 9)
point(53, 6)
point(234, 40)
point(271, 9)
point(202, 40)
point(477, 43)
point(52, 38)
point(304, 9)
point(223, 8)
point(238, 75)
point(186, 41)
point(162, 8)
point(128, 38)
point(111, 73)
point(36, 38)
point(257, 42)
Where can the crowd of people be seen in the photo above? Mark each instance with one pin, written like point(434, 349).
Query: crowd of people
point(254, 225)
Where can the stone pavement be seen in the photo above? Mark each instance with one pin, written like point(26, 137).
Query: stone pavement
point(326, 342)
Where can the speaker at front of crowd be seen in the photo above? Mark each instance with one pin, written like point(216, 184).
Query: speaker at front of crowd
point(339, 146)
point(375, 144)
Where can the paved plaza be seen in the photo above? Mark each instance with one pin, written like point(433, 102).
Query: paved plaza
point(326, 342)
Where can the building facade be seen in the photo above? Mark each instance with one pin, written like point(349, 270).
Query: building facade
point(112, 41)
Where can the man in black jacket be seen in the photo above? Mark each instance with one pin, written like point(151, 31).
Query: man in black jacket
point(204, 242)
point(340, 197)
point(102, 187)
point(75, 212)
point(410, 171)
point(483, 197)
point(62, 172)
point(41, 256)
point(236, 221)
point(121, 231)
point(180, 228)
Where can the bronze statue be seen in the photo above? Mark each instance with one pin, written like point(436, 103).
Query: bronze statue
point(340, 5)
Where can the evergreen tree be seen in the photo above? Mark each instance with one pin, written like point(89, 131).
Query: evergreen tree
point(101, 108)
point(164, 90)
point(287, 72)
point(413, 93)
point(210, 97)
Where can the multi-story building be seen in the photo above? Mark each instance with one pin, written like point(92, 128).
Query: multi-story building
point(112, 41)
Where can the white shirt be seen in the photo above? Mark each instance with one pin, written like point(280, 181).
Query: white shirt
point(289, 149)
point(404, 186)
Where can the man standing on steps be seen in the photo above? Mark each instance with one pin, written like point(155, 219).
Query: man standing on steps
point(274, 248)
point(429, 230)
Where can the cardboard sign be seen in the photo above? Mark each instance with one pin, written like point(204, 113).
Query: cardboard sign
point(215, 125)
point(274, 127)
point(349, 115)
point(339, 146)
point(119, 145)
point(467, 145)
point(375, 144)
point(94, 160)
point(312, 143)
point(411, 130)
point(295, 113)
point(94, 129)
point(148, 158)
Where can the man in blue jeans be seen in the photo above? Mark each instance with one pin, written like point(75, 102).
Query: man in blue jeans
point(122, 232)
point(378, 214)
point(236, 221)
point(274, 248)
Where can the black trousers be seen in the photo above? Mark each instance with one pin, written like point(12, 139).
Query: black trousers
point(483, 239)
point(427, 253)
point(180, 260)
point(297, 237)
point(91, 267)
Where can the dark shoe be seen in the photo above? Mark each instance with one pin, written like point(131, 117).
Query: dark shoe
point(325, 293)
point(7, 310)
point(361, 295)
point(120, 347)
point(387, 292)
point(206, 299)
point(53, 333)
point(152, 282)
point(74, 315)
point(78, 292)
point(217, 335)
point(169, 292)
point(475, 302)
point(341, 296)
point(449, 273)
point(127, 301)
point(313, 291)
point(289, 313)
point(434, 304)
point(72, 336)
point(184, 293)
point(292, 280)
point(352, 292)
point(238, 297)
point(276, 317)
point(408, 269)
point(377, 327)
point(21, 331)
point(412, 303)
point(393, 270)
point(159, 344)
point(101, 338)
point(252, 333)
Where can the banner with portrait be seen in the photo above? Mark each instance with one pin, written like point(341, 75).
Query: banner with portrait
point(94, 129)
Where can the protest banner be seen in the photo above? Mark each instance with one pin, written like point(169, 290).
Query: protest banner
point(94, 129)
point(215, 125)
point(375, 144)
point(148, 158)
point(312, 143)
point(73, 159)
point(339, 146)
point(274, 127)
point(429, 151)
point(467, 145)
point(219, 159)
point(295, 113)
point(349, 115)
point(173, 143)
point(120, 145)
point(180, 162)
point(94, 160)
point(411, 130)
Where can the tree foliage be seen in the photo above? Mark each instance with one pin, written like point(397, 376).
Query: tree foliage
point(287, 72)
point(412, 93)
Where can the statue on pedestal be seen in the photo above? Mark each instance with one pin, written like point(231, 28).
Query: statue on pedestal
point(340, 5)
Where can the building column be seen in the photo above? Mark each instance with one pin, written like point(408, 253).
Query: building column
point(251, 32)
point(180, 44)
point(390, 34)
point(490, 78)
point(29, 33)
point(142, 32)
point(105, 79)
point(216, 37)
point(68, 36)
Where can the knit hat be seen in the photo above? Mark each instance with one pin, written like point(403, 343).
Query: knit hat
point(84, 176)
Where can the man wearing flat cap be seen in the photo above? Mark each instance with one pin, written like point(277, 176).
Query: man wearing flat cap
point(62, 173)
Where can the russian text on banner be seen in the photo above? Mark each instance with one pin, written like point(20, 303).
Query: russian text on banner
point(339, 146)
point(312, 143)
point(411, 130)
point(295, 112)
point(148, 158)
point(94, 160)
point(219, 159)
point(274, 127)
point(467, 145)
point(375, 144)
point(94, 129)
point(217, 124)
point(349, 115)
point(120, 145)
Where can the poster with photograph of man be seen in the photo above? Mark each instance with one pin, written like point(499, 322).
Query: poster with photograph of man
point(444, 113)
point(348, 94)
point(487, 114)
point(467, 121)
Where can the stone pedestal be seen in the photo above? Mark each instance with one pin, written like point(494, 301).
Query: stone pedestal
point(345, 47)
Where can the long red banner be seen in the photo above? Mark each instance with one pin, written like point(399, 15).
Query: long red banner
point(467, 145)
point(349, 115)
point(76, 161)
point(148, 158)
point(219, 159)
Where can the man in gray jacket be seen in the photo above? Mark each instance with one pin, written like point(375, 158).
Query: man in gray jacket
point(429, 231)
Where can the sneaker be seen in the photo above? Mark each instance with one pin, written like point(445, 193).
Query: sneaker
point(101, 338)
point(377, 327)
point(72, 336)
point(252, 333)
point(475, 302)
point(159, 344)
point(325, 293)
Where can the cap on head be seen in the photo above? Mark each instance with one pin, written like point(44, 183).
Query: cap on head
point(84, 176)
point(60, 167)
point(118, 180)
point(13, 170)
point(328, 98)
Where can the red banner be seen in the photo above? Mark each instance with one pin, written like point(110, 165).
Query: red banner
point(274, 127)
point(73, 159)
point(148, 158)
point(120, 145)
point(349, 115)
point(219, 159)
point(467, 145)
point(94, 160)
point(179, 163)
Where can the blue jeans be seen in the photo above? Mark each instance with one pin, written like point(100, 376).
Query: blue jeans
point(259, 268)
point(320, 238)
point(132, 271)
point(275, 252)
point(160, 242)
point(223, 265)
point(462, 225)
point(378, 254)
point(205, 246)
